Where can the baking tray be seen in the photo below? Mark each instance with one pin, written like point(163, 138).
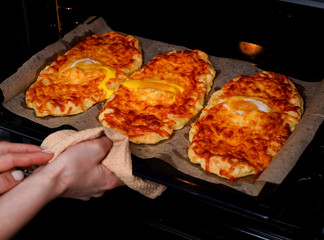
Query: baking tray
point(226, 70)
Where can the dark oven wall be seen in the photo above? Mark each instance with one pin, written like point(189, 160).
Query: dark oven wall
point(290, 34)
point(27, 27)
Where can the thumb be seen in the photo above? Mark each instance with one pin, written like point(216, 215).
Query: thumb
point(10, 179)
point(105, 143)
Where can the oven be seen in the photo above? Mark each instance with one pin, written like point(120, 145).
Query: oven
point(280, 36)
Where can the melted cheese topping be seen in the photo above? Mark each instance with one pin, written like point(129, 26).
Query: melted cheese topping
point(85, 75)
point(160, 97)
point(245, 124)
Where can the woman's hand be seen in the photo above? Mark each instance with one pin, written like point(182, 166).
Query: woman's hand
point(79, 172)
point(14, 155)
point(75, 173)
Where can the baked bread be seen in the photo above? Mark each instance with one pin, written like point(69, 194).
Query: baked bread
point(245, 124)
point(85, 75)
point(160, 97)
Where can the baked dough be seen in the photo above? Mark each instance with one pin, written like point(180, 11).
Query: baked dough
point(160, 97)
point(85, 75)
point(245, 124)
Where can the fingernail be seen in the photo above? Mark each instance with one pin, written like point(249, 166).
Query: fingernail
point(17, 175)
point(47, 151)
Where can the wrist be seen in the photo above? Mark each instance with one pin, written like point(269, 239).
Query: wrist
point(19, 205)
point(49, 180)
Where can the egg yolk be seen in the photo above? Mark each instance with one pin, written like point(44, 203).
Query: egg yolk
point(241, 105)
point(89, 64)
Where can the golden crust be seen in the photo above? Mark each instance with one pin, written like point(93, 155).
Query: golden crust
point(69, 85)
point(160, 97)
point(245, 124)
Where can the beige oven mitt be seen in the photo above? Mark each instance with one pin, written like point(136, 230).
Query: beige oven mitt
point(118, 159)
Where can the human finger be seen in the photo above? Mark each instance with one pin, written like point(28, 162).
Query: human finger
point(84, 175)
point(12, 160)
point(106, 144)
point(10, 179)
point(7, 147)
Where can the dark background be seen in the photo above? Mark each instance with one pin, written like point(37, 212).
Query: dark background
point(291, 34)
point(291, 38)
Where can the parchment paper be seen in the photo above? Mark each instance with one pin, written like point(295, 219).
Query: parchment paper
point(173, 151)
